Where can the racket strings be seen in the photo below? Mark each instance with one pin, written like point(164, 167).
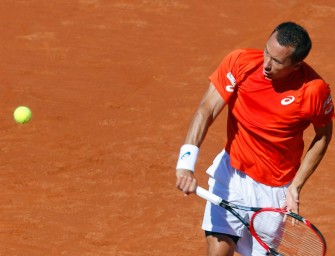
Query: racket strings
point(287, 235)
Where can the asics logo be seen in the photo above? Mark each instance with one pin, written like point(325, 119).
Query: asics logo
point(230, 88)
point(288, 100)
point(231, 78)
point(328, 105)
point(187, 154)
point(329, 109)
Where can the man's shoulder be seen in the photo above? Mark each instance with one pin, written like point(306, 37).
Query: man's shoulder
point(245, 52)
point(244, 61)
point(313, 84)
point(246, 55)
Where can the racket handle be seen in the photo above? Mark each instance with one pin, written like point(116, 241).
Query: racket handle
point(205, 194)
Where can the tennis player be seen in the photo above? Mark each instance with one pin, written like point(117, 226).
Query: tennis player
point(272, 97)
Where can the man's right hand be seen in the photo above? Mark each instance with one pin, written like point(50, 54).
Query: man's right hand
point(186, 181)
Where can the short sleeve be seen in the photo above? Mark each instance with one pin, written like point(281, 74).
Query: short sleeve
point(233, 69)
point(317, 105)
point(223, 77)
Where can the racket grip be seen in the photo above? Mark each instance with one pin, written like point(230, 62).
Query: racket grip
point(205, 194)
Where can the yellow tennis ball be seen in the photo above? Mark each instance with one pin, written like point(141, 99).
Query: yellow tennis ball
point(22, 114)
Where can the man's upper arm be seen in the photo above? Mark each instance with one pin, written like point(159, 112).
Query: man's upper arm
point(325, 131)
point(212, 101)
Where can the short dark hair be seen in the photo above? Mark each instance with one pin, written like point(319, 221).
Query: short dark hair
point(293, 35)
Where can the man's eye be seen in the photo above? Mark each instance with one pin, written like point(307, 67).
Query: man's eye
point(277, 61)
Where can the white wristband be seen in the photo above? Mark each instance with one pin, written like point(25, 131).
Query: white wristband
point(187, 157)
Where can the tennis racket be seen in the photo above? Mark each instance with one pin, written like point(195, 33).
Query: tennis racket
point(280, 232)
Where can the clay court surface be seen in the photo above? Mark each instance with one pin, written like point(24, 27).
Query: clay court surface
point(112, 85)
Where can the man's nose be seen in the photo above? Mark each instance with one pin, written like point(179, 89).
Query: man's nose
point(267, 63)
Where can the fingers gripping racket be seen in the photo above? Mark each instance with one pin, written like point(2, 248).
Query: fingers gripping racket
point(279, 231)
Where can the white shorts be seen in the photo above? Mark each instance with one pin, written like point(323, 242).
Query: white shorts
point(238, 188)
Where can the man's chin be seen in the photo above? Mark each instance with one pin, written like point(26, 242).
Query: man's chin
point(267, 76)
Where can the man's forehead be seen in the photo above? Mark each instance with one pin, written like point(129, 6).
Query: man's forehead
point(277, 51)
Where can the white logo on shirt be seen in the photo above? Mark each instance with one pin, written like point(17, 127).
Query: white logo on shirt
point(230, 88)
point(231, 78)
point(328, 106)
point(288, 100)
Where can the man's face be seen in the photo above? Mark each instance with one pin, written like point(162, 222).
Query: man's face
point(277, 60)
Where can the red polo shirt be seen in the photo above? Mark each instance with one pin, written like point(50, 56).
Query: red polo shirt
point(266, 119)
